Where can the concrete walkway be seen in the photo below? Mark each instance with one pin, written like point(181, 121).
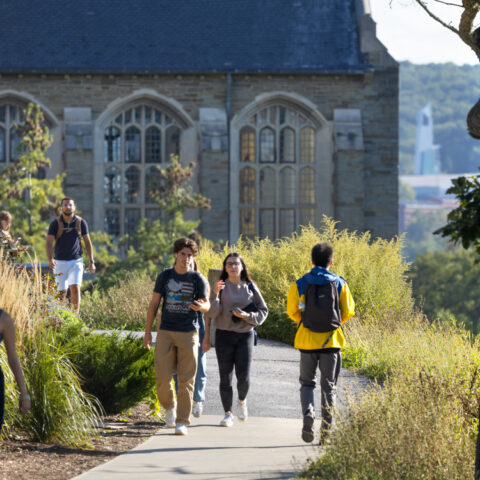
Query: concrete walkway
point(267, 446)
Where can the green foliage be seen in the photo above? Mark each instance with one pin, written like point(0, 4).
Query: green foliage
point(117, 370)
point(418, 426)
point(105, 250)
point(149, 249)
point(405, 192)
point(123, 305)
point(451, 90)
point(445, 283)
point(61, 411)
point(403, 342)
point(30, 200)
point(463, 223)
point(173, 192)
point(68, 325)
point(359, 259)
point(420, 236)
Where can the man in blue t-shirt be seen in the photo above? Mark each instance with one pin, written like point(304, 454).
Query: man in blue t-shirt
point(185, 297)
point(66, 262)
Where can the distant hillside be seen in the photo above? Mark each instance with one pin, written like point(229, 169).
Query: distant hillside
point(451, 90)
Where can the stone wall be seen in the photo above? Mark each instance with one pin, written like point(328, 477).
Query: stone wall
point(365, 179)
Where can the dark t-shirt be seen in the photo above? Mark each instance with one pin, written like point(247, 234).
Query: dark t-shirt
point(69, 245)
point(178, 292)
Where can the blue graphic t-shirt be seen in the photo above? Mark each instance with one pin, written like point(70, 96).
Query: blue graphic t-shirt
point(178, 292)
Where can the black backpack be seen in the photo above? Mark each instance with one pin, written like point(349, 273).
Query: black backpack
point(322, 308)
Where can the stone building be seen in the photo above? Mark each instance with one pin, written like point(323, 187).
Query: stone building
point(289, 108)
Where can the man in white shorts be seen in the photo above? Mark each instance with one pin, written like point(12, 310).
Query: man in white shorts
point(67, 264)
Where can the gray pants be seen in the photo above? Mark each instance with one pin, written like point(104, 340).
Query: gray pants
point(329, 364)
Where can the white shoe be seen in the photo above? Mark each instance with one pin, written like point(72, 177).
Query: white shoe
point(242, 411)
point(181, 429)
point(197, 409)
point(170, 417)
point(227, 420)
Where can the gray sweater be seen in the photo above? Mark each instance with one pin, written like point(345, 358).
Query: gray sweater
point(237, 295)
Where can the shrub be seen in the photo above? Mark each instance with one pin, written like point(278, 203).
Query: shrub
point(417, 426)
point(400, 345)
point(373, 269)
point(117, 370)
point(61, 411)
point(441, 286)
point(122, 306)
point(69, 326)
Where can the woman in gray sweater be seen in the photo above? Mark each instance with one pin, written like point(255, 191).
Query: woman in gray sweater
point(237, 307)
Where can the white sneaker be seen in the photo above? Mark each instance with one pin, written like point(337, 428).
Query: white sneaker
point(242, 412)
point(227, 420)
point(181, 429)
point(197, 409)
point(170, 417)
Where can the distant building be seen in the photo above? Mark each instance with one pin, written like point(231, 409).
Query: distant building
point(430, 195)
point(427, 155)
point(289, 108)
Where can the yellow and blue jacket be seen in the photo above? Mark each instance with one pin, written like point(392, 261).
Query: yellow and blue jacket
point(305, 339)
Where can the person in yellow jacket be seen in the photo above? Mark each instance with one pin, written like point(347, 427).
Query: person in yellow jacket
point(319, 302)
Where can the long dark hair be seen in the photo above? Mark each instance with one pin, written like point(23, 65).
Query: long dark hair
point(244, 274)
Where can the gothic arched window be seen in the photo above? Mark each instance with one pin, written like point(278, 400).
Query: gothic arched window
point(275, 199)
point(137, 141)
point(11, 114)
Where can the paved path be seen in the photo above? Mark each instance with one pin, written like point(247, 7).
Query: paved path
point(267, 446)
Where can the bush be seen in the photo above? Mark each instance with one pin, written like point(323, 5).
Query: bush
point(117, 370)
point(68, 326)
point(122, 306)
point(399, 345)
point(274, 267)
point(442, 284)
point(373, 270)
point(418, 426)
point(61, 411)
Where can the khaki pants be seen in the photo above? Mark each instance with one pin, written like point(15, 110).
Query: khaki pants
point(176, 352)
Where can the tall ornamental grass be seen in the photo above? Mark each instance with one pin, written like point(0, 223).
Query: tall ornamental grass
point(61, 411)
point(123, 305)
point(399, 344)
point(373, 269)
point(21, 294)
point(418, 426)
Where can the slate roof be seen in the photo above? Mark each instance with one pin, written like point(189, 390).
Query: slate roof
point(179, 36)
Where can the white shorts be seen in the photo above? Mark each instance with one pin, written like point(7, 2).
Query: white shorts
point(68, 272)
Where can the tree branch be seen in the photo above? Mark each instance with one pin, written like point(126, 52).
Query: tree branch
point(437, 19)
point(448, 3)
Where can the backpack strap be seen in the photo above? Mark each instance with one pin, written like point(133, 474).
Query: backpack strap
point(78, 226)
point(60, 227)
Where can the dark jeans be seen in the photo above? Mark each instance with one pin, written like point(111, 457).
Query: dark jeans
point(233, 349)
point(329, 365)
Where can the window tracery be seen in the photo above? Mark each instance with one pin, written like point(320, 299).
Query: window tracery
point(276, 187)
point(137, 142)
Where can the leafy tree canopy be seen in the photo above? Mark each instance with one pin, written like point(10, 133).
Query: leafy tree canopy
point(150, 248)
point(463, 223)
point(30, 200)
point(445, 284)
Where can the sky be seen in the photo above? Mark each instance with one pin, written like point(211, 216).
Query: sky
point(410, 34)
